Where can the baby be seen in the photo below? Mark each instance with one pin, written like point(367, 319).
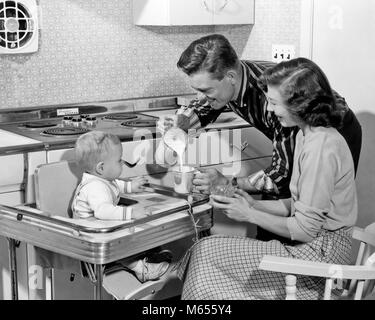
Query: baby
point(97, 196)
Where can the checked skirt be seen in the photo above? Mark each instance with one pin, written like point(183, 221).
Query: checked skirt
point(226, 267)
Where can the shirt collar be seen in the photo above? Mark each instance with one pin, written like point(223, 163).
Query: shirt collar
point(88, 176)
point(243, 87)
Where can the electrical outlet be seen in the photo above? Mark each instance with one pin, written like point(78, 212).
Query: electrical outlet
point(282, 52)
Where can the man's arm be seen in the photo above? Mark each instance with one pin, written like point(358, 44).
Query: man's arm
point(276, 177)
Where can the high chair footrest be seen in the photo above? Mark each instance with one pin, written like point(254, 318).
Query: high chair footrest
point(123, 285)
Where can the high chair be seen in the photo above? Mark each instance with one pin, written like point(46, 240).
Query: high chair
point(360, 277)
point(55, 184)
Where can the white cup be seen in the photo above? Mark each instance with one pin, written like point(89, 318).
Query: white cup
point(183, 180)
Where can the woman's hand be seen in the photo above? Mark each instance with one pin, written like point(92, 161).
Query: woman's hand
point(237, 208)
point(138, 184)
point(206, 178)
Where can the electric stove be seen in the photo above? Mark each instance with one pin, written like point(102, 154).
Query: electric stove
point(68, 128)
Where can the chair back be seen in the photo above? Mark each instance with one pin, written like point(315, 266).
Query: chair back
point(361, 288)
point(55, 184)
point(360, 276)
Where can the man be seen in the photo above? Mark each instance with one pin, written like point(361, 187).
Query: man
point(221, 80)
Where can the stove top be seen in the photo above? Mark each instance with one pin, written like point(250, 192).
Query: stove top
point(69, 128)
point(64, 131)
point(37, 125)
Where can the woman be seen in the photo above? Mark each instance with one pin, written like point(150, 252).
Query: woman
point(317, 218)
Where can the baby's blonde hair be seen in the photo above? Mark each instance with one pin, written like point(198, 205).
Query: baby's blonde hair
point(91, 147)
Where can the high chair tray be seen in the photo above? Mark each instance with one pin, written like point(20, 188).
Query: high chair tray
point(193, 198)
point(156, 202)
point(102, 242)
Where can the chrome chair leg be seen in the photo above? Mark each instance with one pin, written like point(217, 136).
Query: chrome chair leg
point(13, 267)
point(99, 281)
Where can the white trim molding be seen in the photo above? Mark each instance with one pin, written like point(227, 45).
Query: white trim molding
point(307, 26)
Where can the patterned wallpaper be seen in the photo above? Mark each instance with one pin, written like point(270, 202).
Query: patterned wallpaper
point(91, 51)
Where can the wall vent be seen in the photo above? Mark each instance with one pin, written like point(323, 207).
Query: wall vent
point(18, 26)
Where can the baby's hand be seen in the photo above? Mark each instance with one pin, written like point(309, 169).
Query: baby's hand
point(137, 184)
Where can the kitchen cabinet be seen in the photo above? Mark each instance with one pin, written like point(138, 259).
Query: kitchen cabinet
point(12, 179)
point(10, 198)
point(231, 145)
point(192, 12)
point(16, 186)
point(15, 174)
point(246, 143)
point(17, 177)
point(234, 152)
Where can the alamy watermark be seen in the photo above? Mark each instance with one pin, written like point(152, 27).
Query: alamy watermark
point(203, 148)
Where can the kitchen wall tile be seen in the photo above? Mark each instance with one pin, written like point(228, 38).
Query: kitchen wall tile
point(91, 51)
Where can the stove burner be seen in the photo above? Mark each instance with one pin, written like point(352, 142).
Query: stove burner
point(64, 131)
point(140, 123)
point(36, 125)
point(120, 116)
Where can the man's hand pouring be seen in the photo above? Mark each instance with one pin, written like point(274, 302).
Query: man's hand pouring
point(173, 120)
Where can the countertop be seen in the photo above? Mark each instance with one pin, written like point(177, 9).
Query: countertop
point(9, 139)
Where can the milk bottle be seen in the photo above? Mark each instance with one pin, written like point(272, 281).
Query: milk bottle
point(176, 139)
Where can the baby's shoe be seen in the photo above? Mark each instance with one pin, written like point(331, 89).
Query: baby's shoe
point(145, 271)
point(160, 256)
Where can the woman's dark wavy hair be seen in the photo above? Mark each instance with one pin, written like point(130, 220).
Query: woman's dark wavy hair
point(212, 53)
point(306, 91)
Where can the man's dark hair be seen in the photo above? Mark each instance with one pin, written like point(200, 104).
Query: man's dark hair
point(213, 54)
